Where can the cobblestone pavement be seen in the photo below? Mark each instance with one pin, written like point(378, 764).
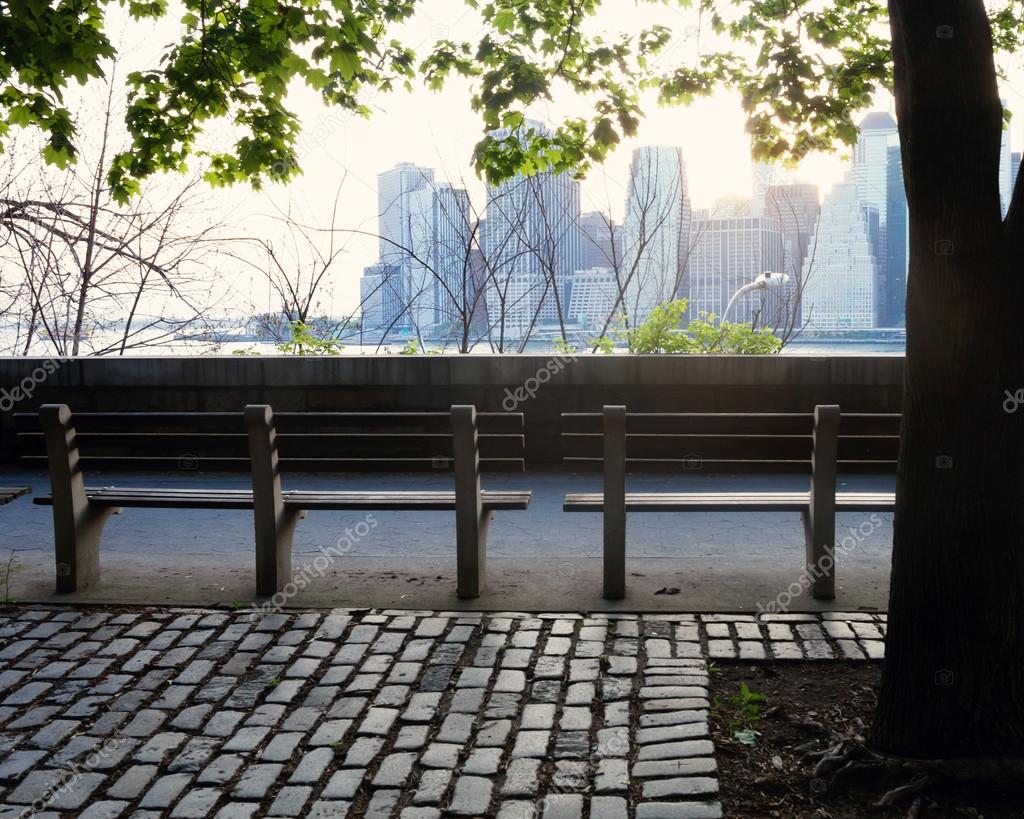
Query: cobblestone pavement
point(212, 713)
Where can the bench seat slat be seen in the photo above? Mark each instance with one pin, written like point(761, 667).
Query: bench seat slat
point(9, 493)
point(174, 498)
point(733, 501)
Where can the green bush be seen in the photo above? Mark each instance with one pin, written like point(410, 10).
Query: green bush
point(304, 341)
point(663, 332)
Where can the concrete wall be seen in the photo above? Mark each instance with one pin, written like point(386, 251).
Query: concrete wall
point(643, 383)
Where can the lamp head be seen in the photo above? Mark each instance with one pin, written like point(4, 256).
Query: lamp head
point(771, 279)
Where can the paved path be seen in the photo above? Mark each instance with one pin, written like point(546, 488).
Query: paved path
point(720, 561)
point(409, 714)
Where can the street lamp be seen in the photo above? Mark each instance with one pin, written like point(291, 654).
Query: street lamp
point(765, 281)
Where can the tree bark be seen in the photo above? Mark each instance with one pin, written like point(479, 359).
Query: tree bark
point(953, 683)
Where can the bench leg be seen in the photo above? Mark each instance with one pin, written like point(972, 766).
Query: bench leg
point(614, 553)
point(821, 563)
point(614, 422)
point(274, 551)
point(77, 549)
point(471, 557)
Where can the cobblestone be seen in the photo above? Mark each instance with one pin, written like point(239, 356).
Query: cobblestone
point(394, 715)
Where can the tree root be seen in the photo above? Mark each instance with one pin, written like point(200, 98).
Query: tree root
point(914, 788)
point(850, 759)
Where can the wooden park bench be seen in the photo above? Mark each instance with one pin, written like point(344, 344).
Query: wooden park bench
point(460, 441)
point(822, 443)
point(9, 493)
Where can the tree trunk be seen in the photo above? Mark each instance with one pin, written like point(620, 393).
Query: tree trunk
point(953, 684)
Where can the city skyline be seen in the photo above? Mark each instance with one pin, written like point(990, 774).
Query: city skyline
point(542, 264)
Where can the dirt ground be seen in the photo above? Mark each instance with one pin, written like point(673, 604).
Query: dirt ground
point(773, 777)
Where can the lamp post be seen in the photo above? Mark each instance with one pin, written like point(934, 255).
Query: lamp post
point(765, 281)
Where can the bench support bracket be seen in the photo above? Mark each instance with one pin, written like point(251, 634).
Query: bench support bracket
point(820, 519)
point(77, 524)
point(471, 520)
point(614, 502)
point(275, 524)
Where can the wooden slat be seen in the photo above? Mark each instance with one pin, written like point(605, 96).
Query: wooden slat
point(408, 501)
point(10, 493)
point(490, 422)
point(865, 501)
point(700, 423)
point(684, 465)
point(728, 502)
point(402, 448)
point(741, 442)
point(172, 463)
point(182, 498)
point(693, 501)
point(140, 498)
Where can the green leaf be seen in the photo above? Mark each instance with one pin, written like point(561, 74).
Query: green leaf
point(748, 736)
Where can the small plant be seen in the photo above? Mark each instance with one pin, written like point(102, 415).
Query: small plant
point(10, 568)
point(663, 331)
point(564, 347)
point(413, 347)
point(274, 683)
point(747, 714)
point(304, 341)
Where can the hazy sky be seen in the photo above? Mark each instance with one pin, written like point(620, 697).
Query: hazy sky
point(439, 130)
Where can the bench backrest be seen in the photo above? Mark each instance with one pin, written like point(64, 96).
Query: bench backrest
point(731, 442)
point(306, 442)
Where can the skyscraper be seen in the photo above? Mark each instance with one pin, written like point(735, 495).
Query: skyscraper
point(870, 173)
point(382, 297)
point(441, 234)
point(839, 279)
point(795, 207)
point(424, 231)
point(532, 242)
point(1014, 168)
point(389, 290)
point(601, 241)
point(394, 208)
point(727, 254)
point(593, 297)
point(1005, 169)
point(878, 132)
point(897, 242)
point(656, 229)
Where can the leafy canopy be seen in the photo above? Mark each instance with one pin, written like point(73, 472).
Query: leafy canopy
point(802, 68)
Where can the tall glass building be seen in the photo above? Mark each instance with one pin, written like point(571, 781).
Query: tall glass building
point(840, 275)
point(532, 244)
point(727, 254)
point(795, 207)
point(897, 239)
point(656, 230)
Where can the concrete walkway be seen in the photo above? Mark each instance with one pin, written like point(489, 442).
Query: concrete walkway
point(697, 561)
point(379, 714)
